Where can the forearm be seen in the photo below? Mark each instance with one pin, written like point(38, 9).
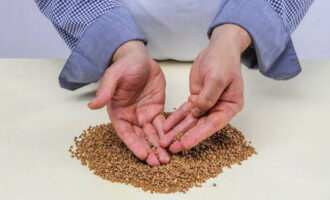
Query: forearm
point(129, 47)
point(93, 30)
point(272, 51)
point(233, 35)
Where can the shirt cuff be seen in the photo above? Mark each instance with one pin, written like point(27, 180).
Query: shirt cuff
point(94, 51)
point(272, 51)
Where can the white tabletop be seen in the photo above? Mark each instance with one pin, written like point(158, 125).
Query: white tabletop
point(287, 121)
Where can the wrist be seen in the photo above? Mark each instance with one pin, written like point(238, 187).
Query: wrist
point(129, 47)
point(233, 35)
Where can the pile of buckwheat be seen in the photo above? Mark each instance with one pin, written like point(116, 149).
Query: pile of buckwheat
point(104, 153)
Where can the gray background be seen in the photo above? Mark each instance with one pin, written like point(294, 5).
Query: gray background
point(26, 33)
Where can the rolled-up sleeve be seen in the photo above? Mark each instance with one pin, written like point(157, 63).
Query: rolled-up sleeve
point(270, 24)
point(93, 30)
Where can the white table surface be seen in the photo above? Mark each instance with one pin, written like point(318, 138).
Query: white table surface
point(287, 121)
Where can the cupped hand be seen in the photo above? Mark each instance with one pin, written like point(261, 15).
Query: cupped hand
point(216, 91)
point(133, 88)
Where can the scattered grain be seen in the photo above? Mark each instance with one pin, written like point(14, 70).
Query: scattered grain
point(104, 153)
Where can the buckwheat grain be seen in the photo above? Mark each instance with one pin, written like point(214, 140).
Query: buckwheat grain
point(104, 153)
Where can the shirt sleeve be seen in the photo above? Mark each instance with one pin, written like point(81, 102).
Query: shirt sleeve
point(93, 30)
point(270, 24)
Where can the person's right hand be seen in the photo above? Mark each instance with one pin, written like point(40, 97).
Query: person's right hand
point(134, 90)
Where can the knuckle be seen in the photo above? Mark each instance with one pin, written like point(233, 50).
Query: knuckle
point(216, 78)
point(207, 64)
point(235, 76)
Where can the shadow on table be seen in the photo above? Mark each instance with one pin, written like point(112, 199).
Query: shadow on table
point(86, 96)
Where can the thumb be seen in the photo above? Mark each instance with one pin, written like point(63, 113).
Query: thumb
point(105, 91)
point(209, 96)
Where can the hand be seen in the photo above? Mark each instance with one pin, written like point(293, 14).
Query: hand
point(216, 90)
point(134, 90)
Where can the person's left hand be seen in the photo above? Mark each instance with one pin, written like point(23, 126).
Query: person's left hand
point(216, 90)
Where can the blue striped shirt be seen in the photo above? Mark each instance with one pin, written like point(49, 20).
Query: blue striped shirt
point(81, 24)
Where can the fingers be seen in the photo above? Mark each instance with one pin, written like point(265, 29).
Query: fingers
point(176, 147)
point(158, 123)
point(144, 143)
point(181, 128)
point(162, 155)
point(192, 98)
point(127, 134)
point(105, 91)
point(153, 138)
point(151, 135)
point(151, 158)
point(177, 116)
point(207, 126)
point(197, 134)
point(209, 95)
point(139, 132)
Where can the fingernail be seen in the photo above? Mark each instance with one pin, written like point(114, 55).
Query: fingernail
point(196, 111)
